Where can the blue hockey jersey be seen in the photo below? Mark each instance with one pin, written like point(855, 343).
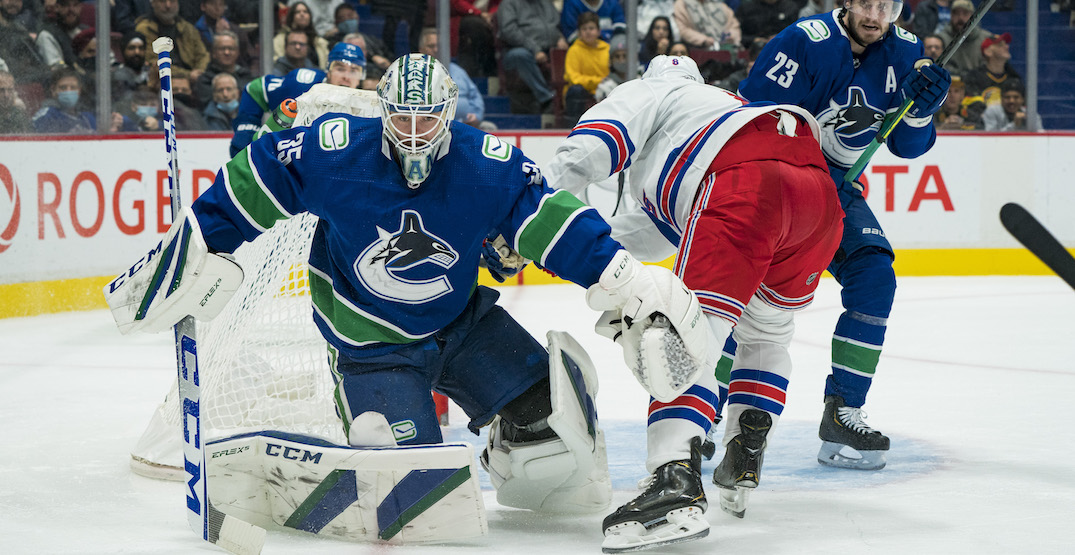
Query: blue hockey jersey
point(390, 265)
point(810, 64)
point(264, 94)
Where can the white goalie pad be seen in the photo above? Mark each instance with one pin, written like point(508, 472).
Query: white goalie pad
point(178, 278)
point(323, 98)
point(568, 474)
point(401, 495)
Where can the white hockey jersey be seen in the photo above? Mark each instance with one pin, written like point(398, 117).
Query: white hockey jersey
point(666, 129)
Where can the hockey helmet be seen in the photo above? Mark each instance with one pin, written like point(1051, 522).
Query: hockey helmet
point(673, 66)
point(418, 100)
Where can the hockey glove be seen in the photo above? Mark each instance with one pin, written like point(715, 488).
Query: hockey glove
point(656, 320)
point(927, 87)
point(501, 260)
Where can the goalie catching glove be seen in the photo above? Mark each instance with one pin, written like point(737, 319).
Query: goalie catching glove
point(178, 278)
point(656, 320)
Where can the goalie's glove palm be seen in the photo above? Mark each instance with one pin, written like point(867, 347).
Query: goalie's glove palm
point(632, 298)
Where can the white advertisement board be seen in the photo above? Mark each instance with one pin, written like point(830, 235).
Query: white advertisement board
point(88, 207)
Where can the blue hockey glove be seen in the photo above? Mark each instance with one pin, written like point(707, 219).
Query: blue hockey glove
point(500, 259)
point(927, 88)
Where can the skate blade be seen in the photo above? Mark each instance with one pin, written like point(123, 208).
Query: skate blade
point(734, 501)
point(838, 455)
point(680, 525)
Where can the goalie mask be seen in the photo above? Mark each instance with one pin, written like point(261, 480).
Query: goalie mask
point(417, 104)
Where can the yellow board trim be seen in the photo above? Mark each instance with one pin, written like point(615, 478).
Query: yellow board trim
point(47, 297)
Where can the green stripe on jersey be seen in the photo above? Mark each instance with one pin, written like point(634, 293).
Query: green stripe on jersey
point(348, 322)
point(540, 232)
point(250, 195)
point(256, 90)
point(854, 357)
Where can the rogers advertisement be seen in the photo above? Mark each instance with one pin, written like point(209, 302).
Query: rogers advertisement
point(84, 207)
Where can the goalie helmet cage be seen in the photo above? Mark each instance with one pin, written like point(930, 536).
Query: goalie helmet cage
point(263, 362)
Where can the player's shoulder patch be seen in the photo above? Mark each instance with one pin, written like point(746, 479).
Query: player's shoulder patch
point(904, 34)
point(816, 30)
point(496, 149)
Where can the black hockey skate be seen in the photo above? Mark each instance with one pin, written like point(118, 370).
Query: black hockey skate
point(740, 470)
point(670, 510)
point(843, 426)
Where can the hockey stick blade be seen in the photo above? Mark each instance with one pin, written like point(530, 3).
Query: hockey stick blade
point(1038, 240)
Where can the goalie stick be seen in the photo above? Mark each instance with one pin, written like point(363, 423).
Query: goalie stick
point(1037, 239)
point(894, 118)
point(213, 526)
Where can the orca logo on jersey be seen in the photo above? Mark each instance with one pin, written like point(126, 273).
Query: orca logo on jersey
point(410, 251)
point(847, 129)
point(7, 233)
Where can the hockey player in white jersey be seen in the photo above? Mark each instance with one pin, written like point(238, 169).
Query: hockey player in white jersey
point(741, 195)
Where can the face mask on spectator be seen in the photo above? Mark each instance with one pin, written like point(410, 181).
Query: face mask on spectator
point(619, 67)
point(145, 111)
point(228, 106)
point(348, 26)
point(67, 99)
point(184, 98)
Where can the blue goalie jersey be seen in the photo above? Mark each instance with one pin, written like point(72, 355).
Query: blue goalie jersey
point(810, 64)
point(390, 265)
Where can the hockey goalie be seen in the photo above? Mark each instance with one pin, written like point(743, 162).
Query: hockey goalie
point(405, 202)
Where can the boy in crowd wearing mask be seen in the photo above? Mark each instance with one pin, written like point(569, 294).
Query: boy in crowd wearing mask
point(62, 112)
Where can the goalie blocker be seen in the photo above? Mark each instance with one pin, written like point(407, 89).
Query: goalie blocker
point(177, 278)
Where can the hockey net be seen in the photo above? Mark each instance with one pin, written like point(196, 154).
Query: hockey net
point(262, 362)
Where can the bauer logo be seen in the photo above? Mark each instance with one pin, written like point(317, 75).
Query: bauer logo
point(10, 209)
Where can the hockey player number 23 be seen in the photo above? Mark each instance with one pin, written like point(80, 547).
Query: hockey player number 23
point(783, 71)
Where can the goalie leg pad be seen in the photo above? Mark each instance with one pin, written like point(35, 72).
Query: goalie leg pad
point(568, 473)
point(178, 278)
point(412, 494)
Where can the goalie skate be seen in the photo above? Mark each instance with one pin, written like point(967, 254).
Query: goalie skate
point(846, 440)
point(740, 470)
point(670, 510)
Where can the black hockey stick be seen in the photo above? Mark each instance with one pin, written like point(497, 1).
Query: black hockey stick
point(1029, 231)
point(894, 118)
point(227, 532)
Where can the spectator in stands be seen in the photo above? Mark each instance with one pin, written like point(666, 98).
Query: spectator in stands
point(54, 40)
point(986, 79)
point(931, 17)
point(611, 19)
point(85, 46)
point(163, 20)
point(224, 104)
point(13, 116)
point(657, 41)
point(765, 18)
point(617, 68)
point(132, 69)
point(300, 18)
point(27, 13)
point(143, 108)
point(529, 29)
point(213, 21)
point(707, 24)
point(412, 12)
point(473, 35)
point(969, 55)
point(187, 117)
point(225, 59)
point(1010, 114)
point(649, 10)
point(376, 54)
point(959, 112)
point(586, 65)
point(322, 13)
point(470, 107)
point(21, 55)
point(812, 7)
point(933, 46)
point(346, 18)
point(679, 48)
point(731, 82)
point(63, 111)
point(124, 12)
point(296, 54)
